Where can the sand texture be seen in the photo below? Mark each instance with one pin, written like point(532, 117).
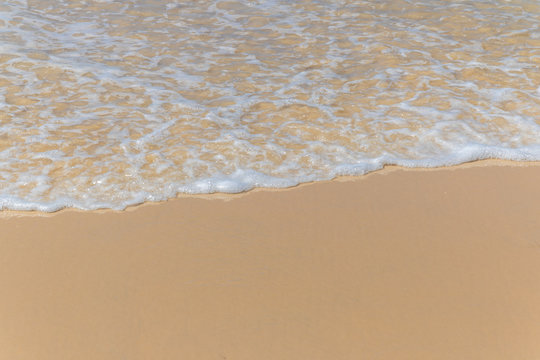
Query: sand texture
point(400, 264)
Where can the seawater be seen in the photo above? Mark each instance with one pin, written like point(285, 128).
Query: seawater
point(105, 104)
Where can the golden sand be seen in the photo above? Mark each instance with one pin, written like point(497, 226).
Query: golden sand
point(400, 264)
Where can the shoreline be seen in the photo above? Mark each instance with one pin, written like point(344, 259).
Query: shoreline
point(397, 264)
point(220, 196)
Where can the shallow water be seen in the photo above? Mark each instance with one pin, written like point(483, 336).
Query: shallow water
point(111, 103)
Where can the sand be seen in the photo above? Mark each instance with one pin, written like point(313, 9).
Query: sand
point(399, 264)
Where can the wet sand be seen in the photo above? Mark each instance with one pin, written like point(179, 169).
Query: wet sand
point(399, 264)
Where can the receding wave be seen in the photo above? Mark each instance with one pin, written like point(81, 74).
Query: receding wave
point(105, 104)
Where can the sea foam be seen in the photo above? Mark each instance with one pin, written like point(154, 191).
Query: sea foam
point(106, 104)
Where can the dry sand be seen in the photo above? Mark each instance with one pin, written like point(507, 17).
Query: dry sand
point(400, 264)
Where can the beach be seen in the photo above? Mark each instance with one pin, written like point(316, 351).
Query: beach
point(269, 180)
point(398, 264)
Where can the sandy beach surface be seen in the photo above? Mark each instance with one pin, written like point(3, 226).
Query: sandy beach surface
point(399, 264)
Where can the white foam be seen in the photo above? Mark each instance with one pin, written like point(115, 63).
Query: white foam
point(223, 97)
